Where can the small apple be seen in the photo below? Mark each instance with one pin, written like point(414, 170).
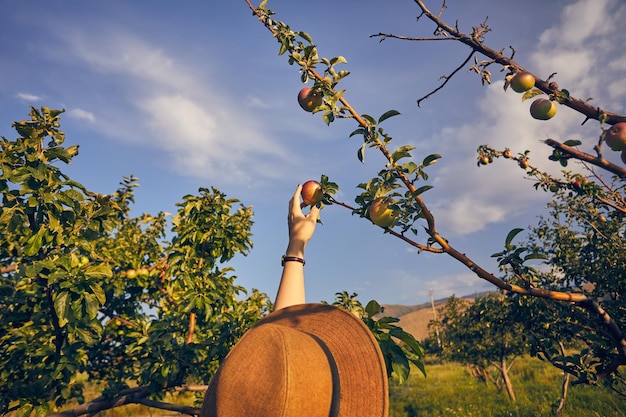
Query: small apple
point(523, 163)
point(615, 137)
point(381, 214)
point(507, 153)
point(143, 272)
point(312, 193)
point(309, 99)
point(543, 109)
point(131, 273)
point(522, 81)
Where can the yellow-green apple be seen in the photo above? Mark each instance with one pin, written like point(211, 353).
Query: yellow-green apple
point(143, 272)
point(543, 109)
point(131, 273)
point(522, 81)
point(309, 99)
point(615, 137)
point(381, 214)
point(312, 193)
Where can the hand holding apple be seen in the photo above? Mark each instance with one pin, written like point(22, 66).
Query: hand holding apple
point(312, 193)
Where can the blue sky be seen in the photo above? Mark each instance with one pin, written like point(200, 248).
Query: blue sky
point(191, 94)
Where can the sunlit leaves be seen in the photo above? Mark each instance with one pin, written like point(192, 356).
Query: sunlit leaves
point(68, 300)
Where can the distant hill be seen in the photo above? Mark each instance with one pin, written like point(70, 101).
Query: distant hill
point(415, 318)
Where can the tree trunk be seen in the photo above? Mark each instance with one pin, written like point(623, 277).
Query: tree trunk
point(564, 387)
point(507, 381)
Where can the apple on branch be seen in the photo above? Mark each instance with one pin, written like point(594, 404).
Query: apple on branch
point(543, 109)
point(615, 137)
point(522, 81)
point(381, 213)
point(309, 99)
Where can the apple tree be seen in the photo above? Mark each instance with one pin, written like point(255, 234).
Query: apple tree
point(403, 182)
point(482, 334)
point(137, 306)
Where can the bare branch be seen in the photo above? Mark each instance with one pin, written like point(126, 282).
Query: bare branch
point(446, 78)
point(136, 395)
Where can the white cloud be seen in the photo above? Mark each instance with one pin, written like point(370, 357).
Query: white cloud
point(585, 49)
point(467, 198)
point(81, 114)
point(28, 97)
point(178, 110)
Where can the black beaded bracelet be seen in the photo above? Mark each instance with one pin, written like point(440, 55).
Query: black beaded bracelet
point(291, 259)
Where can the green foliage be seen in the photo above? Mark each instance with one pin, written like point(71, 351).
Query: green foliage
point(584, 247)
point(482, 334)
point(85, 288)
point(400, 353)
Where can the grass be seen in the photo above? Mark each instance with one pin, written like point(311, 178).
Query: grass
point(449, 390)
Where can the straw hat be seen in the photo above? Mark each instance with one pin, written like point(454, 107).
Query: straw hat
point(307, 360)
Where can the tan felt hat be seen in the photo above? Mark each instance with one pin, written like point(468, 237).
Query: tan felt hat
point(307, 360)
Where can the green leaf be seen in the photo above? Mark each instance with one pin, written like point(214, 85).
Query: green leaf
point(531, 93)
point(372, 308)
point(61, 306)
point(430, 159)
point(535, 255)
point(91, 305)
point(572, 142)
point(361, 153)
point(421, 190)
point(338, 60)
point(100, 270)
point(511, 236)
point(35, 242)
point(402, 152)
point(409, 167)
point(387, 115)
point(97, 290)
point(84, 335)
point(305, 36)
point(370, 119)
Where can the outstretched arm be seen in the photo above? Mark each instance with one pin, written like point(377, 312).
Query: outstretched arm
point(301, 228)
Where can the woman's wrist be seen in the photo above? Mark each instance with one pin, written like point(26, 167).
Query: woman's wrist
point(295, 249)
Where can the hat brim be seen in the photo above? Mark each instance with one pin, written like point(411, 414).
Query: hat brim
point(360, 381)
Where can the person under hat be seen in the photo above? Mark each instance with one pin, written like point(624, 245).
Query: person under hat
point(303, 359)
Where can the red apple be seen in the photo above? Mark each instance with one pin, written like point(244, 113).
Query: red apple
point(522, 81)
point(312, 193)
point(381, 214)
point(543, 109)
point(615, 137)
point(309, 99)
